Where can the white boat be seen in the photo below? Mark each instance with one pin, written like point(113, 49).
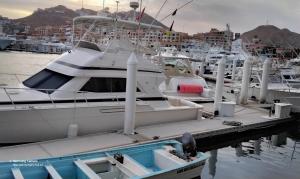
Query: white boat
point(181, 79)
point(282, 84)
point(159, 160)
point(86, 87)
point(295, 64)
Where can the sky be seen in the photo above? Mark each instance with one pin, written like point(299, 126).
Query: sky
point(198, 16)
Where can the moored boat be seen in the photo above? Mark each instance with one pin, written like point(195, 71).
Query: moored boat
point(86, 87)
point(165, 159)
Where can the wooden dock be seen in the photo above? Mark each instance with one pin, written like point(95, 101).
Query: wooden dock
point(250, 116)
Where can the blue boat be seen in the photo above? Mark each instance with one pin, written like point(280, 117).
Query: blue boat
point(165, 159)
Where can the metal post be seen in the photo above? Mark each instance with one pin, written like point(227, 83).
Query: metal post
point(117, 9)
point(12, 102)
point(50, 98)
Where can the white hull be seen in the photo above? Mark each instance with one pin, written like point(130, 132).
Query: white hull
point(275, 94)
point(40, 123)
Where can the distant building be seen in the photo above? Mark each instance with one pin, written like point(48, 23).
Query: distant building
point(164, 38)
point(199, 37)
point(219, 38)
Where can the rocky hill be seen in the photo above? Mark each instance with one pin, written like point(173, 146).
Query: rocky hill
point(272, 35)
point(58, 15)
point(61, 15)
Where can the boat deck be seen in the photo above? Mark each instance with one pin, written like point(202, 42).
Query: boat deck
point(251, 116)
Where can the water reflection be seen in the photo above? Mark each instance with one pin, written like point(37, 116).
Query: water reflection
point(271, 155)
point(257, 146)
point(212, 162)
point(279, 140)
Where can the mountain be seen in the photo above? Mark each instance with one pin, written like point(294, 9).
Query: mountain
point(58, 15)
point(272, 35)
point(61, 15)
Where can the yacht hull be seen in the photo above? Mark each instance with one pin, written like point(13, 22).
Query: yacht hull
point(273, 94)
point(32, 124)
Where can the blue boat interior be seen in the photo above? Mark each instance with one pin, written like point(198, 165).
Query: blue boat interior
point(128, 162)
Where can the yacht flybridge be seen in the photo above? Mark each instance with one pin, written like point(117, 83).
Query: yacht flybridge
point(86, 87)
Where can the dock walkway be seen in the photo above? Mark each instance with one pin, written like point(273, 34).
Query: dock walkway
point(250, 116)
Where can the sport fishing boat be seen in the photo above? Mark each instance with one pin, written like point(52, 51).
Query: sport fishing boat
point(165, 160)
point(86, 86)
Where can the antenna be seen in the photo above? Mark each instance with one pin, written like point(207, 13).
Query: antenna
point(116, 13)
point(134, 5)
point(103, 4)
point(82, 4)
point(117, 4)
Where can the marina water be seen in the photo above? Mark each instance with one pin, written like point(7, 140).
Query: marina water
point(270, 153)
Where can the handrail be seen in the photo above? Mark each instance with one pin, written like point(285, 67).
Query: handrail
point(41, 89)
point(47, 91)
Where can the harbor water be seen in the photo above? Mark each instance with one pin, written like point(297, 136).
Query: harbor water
point(18, 66)
point(260, 154)
point(263, 154)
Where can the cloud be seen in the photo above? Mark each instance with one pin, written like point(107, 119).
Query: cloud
point(199, 16)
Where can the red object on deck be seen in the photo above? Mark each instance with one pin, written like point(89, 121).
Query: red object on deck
point(189, 88)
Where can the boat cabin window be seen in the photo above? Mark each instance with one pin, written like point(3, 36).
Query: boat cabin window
point(47, 79)
point(287, 77)
point(88, 45)
point(104, 85)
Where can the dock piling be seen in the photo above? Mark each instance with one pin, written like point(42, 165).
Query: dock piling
point(219, 85)
point(130, 103)
point(245, 81)
point(264, 83)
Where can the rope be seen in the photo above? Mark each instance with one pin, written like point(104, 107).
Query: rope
point(177, 10)
point(155, 17)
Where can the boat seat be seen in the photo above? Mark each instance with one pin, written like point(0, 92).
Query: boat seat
point(134, 166)
point(17, 173)
point(165, 160)
point(86, 171)
point(53, 173)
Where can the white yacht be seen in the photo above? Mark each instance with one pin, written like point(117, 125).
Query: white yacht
point(282, 84)
point(86, 86)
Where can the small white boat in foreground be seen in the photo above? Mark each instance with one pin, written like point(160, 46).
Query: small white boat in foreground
point(166, 159)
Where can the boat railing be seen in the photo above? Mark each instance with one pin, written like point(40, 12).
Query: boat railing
point(76, 95)
point(286, 82)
